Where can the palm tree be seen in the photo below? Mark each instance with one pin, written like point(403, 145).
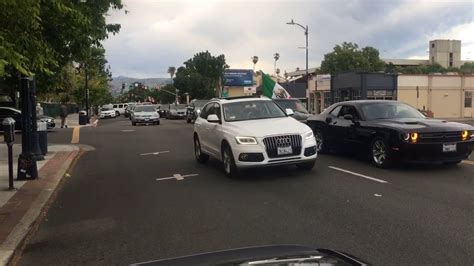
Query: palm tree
point(254, 60)
point(171, 71)
point(276, 56)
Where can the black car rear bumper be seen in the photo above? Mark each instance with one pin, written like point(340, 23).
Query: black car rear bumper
point(433, 152)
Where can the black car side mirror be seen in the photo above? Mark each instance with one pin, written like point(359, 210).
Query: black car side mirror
point(328, 119)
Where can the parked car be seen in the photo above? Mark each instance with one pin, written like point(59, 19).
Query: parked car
point(16, 115)
point(300, 112)
point(176, 111)
point(249, 132)
point(107, 111)
point(163, 111)
point(120, 108)
point(50, 122)
point(194, 109)
point(145, 114)
point(391, 131)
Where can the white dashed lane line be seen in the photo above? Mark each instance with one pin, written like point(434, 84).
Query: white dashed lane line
point(359, 175)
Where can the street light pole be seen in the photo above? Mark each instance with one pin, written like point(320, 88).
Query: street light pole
point(306, 35)
point(87, 92)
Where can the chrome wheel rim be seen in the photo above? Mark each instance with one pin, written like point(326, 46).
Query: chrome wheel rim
point(319, 141)
point(226, 161)
point(197, 149)
point(379, 152)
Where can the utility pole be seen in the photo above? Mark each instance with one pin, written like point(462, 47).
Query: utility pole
point(87, 92)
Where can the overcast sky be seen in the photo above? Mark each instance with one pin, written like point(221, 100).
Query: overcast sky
point(156, 34)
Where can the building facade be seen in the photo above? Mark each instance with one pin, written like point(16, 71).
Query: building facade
point(447, 53)
point(362, 85)
point(446, 96)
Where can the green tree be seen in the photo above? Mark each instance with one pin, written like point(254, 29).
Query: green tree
point(200, 75)
point(467, 68)
point(348, 56)
point(41, 38)
point(172, 71)
point(165, 95)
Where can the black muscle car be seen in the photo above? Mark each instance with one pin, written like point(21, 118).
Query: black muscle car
point(300, 112)
point(391, 131)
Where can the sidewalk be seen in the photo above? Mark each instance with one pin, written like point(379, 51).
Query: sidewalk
point(72, 120)
point(20, 208)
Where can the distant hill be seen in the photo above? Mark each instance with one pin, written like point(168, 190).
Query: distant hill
point(116, 83)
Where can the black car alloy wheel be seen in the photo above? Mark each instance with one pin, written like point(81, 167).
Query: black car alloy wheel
point(380, 152)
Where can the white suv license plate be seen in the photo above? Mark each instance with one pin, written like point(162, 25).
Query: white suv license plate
point(449, 147)
point(284, 150)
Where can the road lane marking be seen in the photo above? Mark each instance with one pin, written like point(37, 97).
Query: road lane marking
point(178, 177)
point(359, 175)
point(377, 195)
point(128, 130)
point(468, 162)
point(75, 135)
point(153, 153)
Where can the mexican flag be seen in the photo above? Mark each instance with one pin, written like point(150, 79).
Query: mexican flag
point(272, 89)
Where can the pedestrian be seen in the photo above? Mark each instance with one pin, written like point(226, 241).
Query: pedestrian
point(63, 115)
point(39, 109)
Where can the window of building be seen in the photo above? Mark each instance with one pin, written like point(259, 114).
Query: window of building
point(468, 99)
point(355, 95)
point(450, 59)
point(432, 45)
point(327, 99)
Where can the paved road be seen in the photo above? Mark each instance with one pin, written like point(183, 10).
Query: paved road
point(112, 210)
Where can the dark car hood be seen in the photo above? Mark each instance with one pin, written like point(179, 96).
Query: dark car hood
point(301, 116)
point(423, 124)
point(253, 254)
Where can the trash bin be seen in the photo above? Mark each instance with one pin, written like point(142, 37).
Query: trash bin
point(43, 137)
point(82, 118)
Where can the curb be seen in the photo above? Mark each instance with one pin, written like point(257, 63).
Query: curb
point(31, 219)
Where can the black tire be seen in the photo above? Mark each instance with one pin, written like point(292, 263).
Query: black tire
point(200, 156)
point(321, 146)
point(380, 153)
point(157, 123)
point(306, 166)
point(117, 114)
point(228, 162)
point(134, 124)
point(188, 121)
point(452, 163)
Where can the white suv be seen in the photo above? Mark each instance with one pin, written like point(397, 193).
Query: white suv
point(251, 132)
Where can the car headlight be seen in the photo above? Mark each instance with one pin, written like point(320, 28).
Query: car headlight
point(405, 136)
point(414, 137)
point(465, 135)
point(309, 135)
point(198, 111)
point(246, 140)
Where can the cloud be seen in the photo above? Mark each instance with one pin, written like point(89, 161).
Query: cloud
point(158, 34)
